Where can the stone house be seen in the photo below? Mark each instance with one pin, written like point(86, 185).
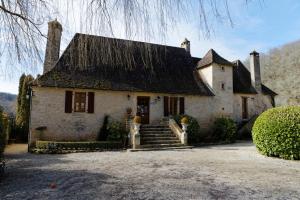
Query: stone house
point(97, 76)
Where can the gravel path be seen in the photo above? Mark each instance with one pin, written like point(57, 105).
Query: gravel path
point(218, 172)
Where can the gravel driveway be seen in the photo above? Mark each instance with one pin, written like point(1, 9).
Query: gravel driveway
point(217, 172)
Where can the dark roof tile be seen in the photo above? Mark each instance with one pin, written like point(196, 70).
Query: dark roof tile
point(212, 57)
point(242, 81)
point(97, 62)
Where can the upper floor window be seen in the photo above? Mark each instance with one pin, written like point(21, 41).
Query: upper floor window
point(79, 102)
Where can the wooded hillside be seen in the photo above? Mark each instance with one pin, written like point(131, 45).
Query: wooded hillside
point(281, 72)
point(8, 102)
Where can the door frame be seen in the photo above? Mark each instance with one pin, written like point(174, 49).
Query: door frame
point(148, 113)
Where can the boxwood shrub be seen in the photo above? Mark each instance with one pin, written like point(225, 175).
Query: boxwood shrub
point(112, 130)
point(224, 129)
point(193, 129)
point(276, 132)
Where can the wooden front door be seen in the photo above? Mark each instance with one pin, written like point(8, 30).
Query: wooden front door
point(244, 108)
point(143, 107)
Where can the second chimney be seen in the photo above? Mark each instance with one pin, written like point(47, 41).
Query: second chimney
point(186, 45)
point(255, 71)
point(53, 45)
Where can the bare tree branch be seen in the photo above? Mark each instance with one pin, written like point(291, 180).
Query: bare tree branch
point(21, 21)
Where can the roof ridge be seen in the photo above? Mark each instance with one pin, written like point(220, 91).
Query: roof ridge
point(127, 40)
point(212, 57)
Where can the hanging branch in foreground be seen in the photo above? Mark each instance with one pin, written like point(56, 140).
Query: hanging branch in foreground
point(21, 21)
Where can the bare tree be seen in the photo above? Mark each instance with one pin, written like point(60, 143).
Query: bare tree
point(21, 21)
point(20, 32)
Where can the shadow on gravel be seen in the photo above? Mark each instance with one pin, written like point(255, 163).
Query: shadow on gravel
point(30, 176)
point(232, 146)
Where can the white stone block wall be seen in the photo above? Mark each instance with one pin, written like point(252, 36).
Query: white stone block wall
point(257, 103)
point(48, 109)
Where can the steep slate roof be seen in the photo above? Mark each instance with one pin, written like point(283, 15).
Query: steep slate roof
point(212, 57)
point(242, 81)
point(96, 62)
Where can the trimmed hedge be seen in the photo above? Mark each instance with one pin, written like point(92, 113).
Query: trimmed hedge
point(56, 147)
point(276, 132)
point(112, 130)
point(224, 129)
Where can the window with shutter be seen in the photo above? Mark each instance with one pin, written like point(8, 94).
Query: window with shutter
point(166, 106)
point(79, 102)
point(68, 101)
point(181, 105)
point(173, 105)
point(91, 97)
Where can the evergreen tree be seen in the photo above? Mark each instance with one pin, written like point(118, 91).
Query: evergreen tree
point(2, 134)
point(21, 80)
point(19, 130)
point(23, 114)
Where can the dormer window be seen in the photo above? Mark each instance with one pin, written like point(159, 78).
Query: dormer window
point(223, 86)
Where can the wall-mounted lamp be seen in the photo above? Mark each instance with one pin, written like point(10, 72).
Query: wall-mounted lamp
point(158, 98)
point(128, 96)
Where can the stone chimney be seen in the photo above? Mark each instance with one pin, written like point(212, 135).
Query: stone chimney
point(186, 45)
point(255, 71)
point(53, 45)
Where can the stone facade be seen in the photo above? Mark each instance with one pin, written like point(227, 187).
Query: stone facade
point(219, 80)
point(50, 120)
point(48, 106)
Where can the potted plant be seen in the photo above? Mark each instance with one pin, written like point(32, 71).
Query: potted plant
point(137, 120)
point(184, 123)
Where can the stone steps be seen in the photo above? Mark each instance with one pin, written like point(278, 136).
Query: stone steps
point(169, 141)
point(158, 136)
point(156, 132)
point(156, 129)
point(161, 145)
point(161, 148)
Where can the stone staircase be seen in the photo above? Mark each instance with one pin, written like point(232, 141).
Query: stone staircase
point(158, 136)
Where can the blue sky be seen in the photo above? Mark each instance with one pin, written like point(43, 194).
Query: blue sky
point(260, 25)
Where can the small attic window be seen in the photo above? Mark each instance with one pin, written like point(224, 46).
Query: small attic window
point(222, 68)
point(223, 86)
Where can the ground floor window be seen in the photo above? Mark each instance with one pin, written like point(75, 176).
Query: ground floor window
point(79, 101)
point(82, 102)
point(245, 107)
point(173, 106)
